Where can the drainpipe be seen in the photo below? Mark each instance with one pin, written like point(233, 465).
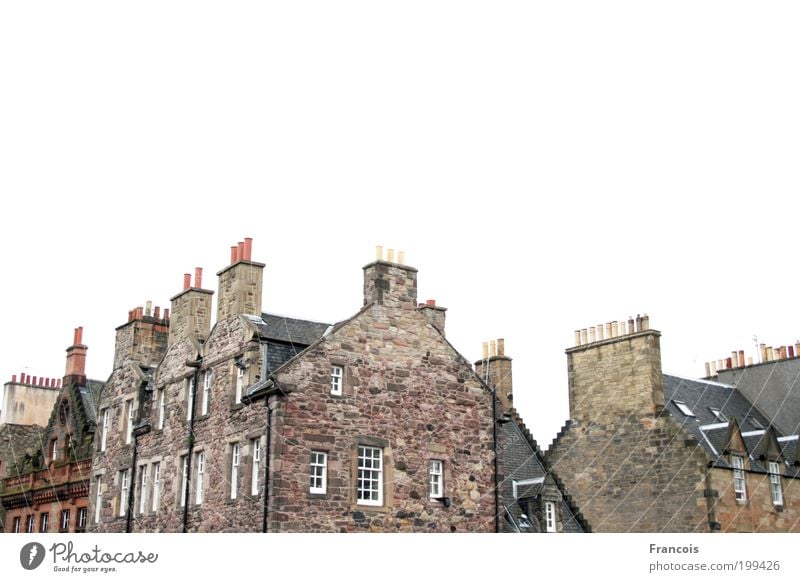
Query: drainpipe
point(264, 371)
point(187, 477)
point(496, 477)
point(131, 485)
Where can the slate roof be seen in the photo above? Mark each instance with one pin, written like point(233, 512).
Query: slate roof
point(290, 330)
point(700, 396)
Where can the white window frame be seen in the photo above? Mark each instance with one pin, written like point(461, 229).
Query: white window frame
point(162, 405)
point(98, 499)
point(124, 484)
point(184, 478)
point(156, 486)
point(337, 377)
point(435, 478)
point(775, 483)
point(683, 408)
point(129, 414)
point(369, 479)
point(550, 517)
point(235, 458)
point(54, 449)
point(44, 522)
point(239, 385)
point(200, 460)
point(190, 388)
point(206, 392)
point(256, 448)
point(82, 518)
point(65, 522)
point(718, 414)
point(104, 437)
point(318, 472)
point(17, 522)
point(143, 490)
point(30, 525)
point(739, 483)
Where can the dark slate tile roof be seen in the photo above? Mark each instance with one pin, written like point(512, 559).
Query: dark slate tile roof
point(700, 396)
point(290, 330)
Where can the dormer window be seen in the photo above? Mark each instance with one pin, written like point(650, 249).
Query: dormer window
point(718, 415)
point(683, 408)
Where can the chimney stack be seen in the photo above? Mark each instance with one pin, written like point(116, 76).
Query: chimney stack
point(434, 314)
point(240, 283)
point(390, 284)
point(76, 359)
point(495, 370)
point(143, 338)
point(191, 311)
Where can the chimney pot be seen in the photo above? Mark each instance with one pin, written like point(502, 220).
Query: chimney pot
point(591, 335)
point(770, 354)
point(198, 277)
point(584, 336)
point(157, 312)
point(13, 378)
point(631, 325)
point(166, 313)
point(638, 322)
point(234, 252)
point(378, 253)
point(248, 248)
point(599, 334)
point(401, 257)
point(501, 347)
point(577, 337)
point(492, 348)
point(240, 250)
point(59, 383)
point(33, 382)
point(47, 382)
point(431, 302)
point(791, 351)
point(728, 363)
point(763, 350)
point(187, 281)
point(734, 358)
point(148, 310)
point(782, 352)
point(614, 329)
point(708, 369)
point(713, 368)
point(390, 255)
point(485, 350)
point(749, 361)
point(741, 358)
point(645, 322)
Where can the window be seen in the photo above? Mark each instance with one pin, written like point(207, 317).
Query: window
point(53, 449)
point(161, 409)
point(104, 436)
point(206, 391)
point(683, 408)
point(738, 478)
point(184, 478)
point(44, 522)
point(156, 484)
point(143, 490)
point(319, 472)
point(30, 521)
point(256, 444)
point(775, 483)
point(69, 444)
point(234, 470)
point(129, 416)
point(81, 519)
point(64, 520)
point(190, 398)
point(98, 499)
point(755, 422)
point(336, 380)
point(201, 469)
point(435, 479)
point(239, 384)
point(549, 516)
point(16, 524)
point(123, 491)
point(369, 485)
point(718, 414)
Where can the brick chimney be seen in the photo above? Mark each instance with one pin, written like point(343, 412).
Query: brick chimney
point(191, 310)
point(143, 338)
point(76, 359)
point(388, 283)
point(434, 314)
point(495, 369)
point(616, 376)
point(240, 283)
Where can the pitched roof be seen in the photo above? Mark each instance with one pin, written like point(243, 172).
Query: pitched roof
point(289, 329)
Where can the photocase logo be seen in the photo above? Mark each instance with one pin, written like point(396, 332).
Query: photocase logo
point(31, 555)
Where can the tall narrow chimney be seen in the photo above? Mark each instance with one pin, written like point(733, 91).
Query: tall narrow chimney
point(76, 359)
point(390, 284)
point(435, 314)
point(190, 313)
point(495, 370)
point(240, 284)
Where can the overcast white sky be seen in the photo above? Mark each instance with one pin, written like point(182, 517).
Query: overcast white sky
point(545, 165)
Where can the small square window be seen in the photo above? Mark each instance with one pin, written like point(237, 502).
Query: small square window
point(336, 380)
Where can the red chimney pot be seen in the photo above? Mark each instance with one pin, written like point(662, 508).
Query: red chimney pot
point(198, 277)
point(248, 248)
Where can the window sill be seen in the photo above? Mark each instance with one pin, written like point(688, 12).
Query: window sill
point(236, 406)
point(317, 495)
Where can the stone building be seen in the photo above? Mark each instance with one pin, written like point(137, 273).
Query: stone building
point(648, 452)
point(268, 423)
point(47, 488)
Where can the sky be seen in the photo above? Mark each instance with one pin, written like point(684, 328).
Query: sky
point(546, 166)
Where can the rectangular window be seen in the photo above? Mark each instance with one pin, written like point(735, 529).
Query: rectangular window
point(435, 479)
point(683, 408)
point(336, 380)
point(104, 436)
point(129, 416)
point(206, 392)
point(53, 449)
point(319, 472)
point(156, 485)
point(201, 470)
point(161, 409)
point(30, 526)
point(143, 490)
point(81, 519)
point(369, 485)
point(69, 444)
point(718, 415)
point(98, 499)
point(44, 522)
point(123, 491)
point(234, 470)
point(738, 478)
point(775, 483)
point(17, 521)
point(184, 477)
point(256, 444)
point(189, 398)
point(237, 397)
point(550, 516)
point(64, 520)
